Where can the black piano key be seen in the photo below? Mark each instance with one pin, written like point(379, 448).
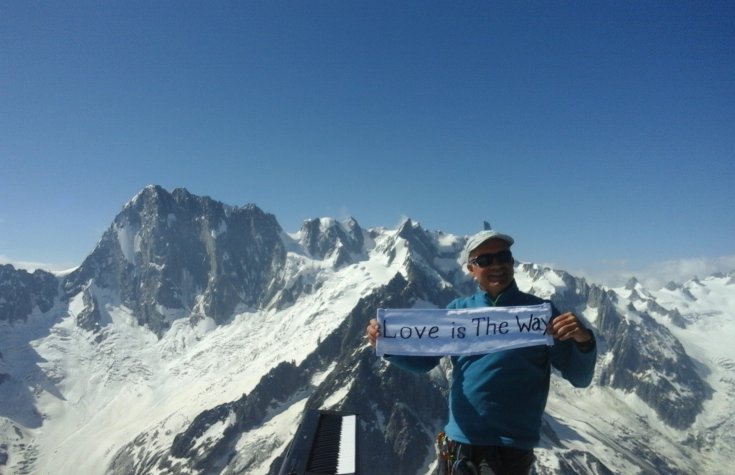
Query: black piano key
point(325, 449)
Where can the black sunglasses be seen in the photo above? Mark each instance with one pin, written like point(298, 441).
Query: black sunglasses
point(484, 260)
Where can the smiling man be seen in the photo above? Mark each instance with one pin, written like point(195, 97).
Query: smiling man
point(497, 400)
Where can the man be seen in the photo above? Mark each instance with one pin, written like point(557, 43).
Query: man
point(497, 400)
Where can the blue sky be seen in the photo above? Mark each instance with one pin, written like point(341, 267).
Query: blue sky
point(600, 134)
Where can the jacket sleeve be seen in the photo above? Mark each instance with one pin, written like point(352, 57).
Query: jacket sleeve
point(576, 366)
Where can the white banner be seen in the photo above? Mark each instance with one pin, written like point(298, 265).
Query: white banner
point(466, 331)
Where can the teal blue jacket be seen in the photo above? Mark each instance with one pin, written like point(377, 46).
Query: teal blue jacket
point(499, 398)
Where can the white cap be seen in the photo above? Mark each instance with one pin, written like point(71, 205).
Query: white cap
point(474, 241)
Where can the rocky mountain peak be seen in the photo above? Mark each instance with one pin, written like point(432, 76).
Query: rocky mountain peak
point(326, 238)
point(22, 293)
point(671, 285)
point(172, 255)
point(631, 284)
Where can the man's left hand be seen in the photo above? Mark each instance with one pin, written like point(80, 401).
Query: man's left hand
point(567, 326)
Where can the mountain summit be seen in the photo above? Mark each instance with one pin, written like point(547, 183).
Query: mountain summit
point(195, 335)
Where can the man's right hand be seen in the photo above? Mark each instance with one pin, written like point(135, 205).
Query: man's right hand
point(372, 332)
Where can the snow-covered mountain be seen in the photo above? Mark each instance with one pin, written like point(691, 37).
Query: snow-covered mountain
point(194, 336)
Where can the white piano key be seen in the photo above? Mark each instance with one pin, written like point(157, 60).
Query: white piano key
point(347, 446)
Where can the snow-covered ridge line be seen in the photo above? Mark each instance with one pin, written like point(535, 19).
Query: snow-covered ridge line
point(195, 343)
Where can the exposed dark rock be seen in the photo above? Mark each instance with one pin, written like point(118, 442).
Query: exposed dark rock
point(21, 292)
point(189, 255)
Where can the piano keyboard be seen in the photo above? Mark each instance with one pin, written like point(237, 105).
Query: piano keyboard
point(325, 443)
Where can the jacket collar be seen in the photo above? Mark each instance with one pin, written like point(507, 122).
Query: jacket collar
point(508, 291)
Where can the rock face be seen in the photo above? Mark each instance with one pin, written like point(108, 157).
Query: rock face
point(172, 257)
point(329, 239)
point(673, 389)
point(21, 292)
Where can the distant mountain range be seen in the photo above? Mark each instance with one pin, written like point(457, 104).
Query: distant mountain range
point(194, 336)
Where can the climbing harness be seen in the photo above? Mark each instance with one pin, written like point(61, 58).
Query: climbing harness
point(453, 458)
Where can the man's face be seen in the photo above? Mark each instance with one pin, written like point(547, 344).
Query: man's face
point(495, 277)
